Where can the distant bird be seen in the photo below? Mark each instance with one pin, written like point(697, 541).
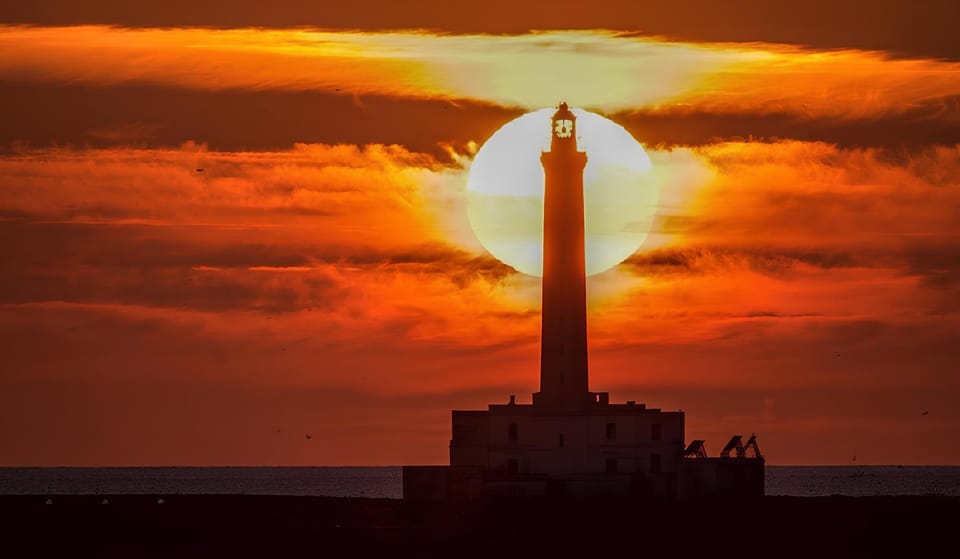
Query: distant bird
point(201, 170)
point(278, 430)
point(338, 89)
point(854, 457)
point(283, 349)
point(160, 501)
point(49, 501)
point(838, 355)
point(309, 436)
point(105, 502)
point(925, 412)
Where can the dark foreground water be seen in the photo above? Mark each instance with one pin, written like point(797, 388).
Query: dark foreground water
point(385, 481)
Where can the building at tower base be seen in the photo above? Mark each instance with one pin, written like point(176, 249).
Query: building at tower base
point(600, 449)
point(605, 450)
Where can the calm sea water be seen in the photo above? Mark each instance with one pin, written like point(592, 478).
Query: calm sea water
point(385, 482)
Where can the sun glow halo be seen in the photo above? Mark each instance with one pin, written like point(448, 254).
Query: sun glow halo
point(505, 191)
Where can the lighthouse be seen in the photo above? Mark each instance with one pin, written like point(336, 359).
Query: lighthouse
point(568, 440)
point(563, 341)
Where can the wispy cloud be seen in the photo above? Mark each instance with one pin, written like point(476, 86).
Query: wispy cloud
point(599, 69)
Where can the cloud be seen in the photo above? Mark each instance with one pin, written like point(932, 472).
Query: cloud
point(784, 217)
point(598, 69)
point(891, 25)
point(818, 195)
point(320, 184)
point(275, 286)
point(271, 232)
point(809, 218)
point(47, 114)
point(929, 121)
point(364, 263)
point(52, 114)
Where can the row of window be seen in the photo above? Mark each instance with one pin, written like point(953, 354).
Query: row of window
point(655, 432)
point(610, 466)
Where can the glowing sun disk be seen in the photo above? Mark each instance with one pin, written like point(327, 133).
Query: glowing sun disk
point(505, 191)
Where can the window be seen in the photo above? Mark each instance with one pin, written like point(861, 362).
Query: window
point(513, 467)
point(655, 432)
point(611, 431)
point(611, 466)
point(512, 433)
point(561, 440)
point(654, 463)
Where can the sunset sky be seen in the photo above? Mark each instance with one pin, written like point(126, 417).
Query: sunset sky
point(320, 274)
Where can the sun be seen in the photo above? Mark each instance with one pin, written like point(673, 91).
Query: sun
point(505, 191)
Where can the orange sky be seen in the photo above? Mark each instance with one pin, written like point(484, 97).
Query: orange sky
point(320, 274)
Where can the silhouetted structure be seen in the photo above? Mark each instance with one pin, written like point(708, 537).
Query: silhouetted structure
point(563, 343)
point(570, 441)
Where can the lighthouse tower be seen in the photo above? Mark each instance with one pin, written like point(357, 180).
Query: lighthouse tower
point(563, 346)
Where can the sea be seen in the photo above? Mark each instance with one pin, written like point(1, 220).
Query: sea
point(385, 481)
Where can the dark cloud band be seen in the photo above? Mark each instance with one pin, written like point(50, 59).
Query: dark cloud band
point(900, 27)
point(45, 114)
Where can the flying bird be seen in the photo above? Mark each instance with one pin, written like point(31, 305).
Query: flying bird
point(201, 170)
point(925, 412)
point(309, 436)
